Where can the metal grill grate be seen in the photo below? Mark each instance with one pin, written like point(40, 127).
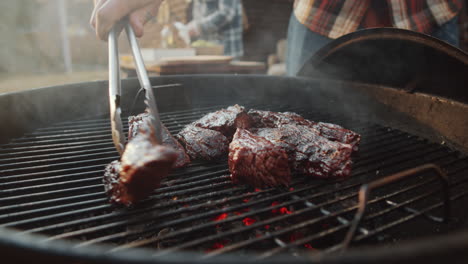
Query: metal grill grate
point(50, 183)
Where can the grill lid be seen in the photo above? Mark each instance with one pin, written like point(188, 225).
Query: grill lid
point(394, 57)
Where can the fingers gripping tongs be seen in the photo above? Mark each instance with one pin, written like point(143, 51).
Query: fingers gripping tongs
point(115, 89)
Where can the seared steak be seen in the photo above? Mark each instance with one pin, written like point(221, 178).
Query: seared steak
point(139, 122)
point(143, 165)
point(262, 119)
point(310, 153)
point(256, 161)
point(202, 143)
point(226, 120)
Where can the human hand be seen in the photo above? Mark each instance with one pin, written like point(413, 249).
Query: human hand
point(107, 13)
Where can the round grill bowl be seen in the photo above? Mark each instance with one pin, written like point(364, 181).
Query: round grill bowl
point(25, 111)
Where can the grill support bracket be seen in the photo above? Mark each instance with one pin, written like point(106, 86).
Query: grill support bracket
point(366, 189)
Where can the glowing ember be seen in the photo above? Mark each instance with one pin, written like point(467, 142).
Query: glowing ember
point(295, 236)
point(257, 190)
point(248, 221)
point(217, 246)
point(291, 189)
point(246, 200)
point(284, 210)
point(220, 217)
point(267, 227)
point(309, 246)
point(242, 211)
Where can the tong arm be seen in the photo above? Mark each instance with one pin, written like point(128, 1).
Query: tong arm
point(118, 137)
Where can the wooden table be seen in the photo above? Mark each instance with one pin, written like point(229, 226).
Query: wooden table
point(192, 67)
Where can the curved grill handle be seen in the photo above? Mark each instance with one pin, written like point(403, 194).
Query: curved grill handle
point(367, 188)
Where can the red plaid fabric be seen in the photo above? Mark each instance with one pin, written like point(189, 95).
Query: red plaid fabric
point(334, 18)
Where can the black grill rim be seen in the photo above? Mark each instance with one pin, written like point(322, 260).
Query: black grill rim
point(434, 250)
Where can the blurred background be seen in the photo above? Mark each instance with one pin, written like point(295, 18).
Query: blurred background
point(50, 42)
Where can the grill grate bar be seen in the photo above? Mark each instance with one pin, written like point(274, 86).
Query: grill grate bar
point(56, 152)
point(37, 175)
point(132, 213)
point(174, 119)
point(244, 206)
point(50, 202)
point(170, 194)
point(254, 226)
point(62, 164)
point(34, 149)
point(226, 182)
point(68, 157)
point(61, 159)
point(309, 239)
point(67, 191)
point(326, 217)
point(51, 184)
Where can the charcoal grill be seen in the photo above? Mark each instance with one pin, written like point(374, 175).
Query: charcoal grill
point(55, 146)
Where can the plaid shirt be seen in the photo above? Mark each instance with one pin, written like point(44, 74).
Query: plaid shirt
point(334, 18)
point(221, 21)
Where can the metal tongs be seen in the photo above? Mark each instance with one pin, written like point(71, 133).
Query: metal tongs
point(118, 136)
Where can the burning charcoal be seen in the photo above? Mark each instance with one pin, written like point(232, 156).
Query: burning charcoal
point(202, 143)
point(220, 217)
point(143, 165)
point(248, 221)
point(256, 161)
point(140, 122)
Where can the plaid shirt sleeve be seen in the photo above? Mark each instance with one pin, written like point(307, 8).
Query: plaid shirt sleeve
point(334, 18)
point(225, 20)
point(223, 15)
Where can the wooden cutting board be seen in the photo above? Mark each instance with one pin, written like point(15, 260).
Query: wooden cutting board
point(203, 59)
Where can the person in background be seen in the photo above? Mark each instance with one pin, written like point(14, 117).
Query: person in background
point(218, 21)
point(314, 23)
point(213, 20)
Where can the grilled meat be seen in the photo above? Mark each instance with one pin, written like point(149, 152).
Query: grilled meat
point(143, 165)
point(310, 153)
point(202, 143)
point(226, 120)
point(271, 119)
point(139, 122)
point(257, 161)
point(337, 133)
point(208, 138)
point(261, 119)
